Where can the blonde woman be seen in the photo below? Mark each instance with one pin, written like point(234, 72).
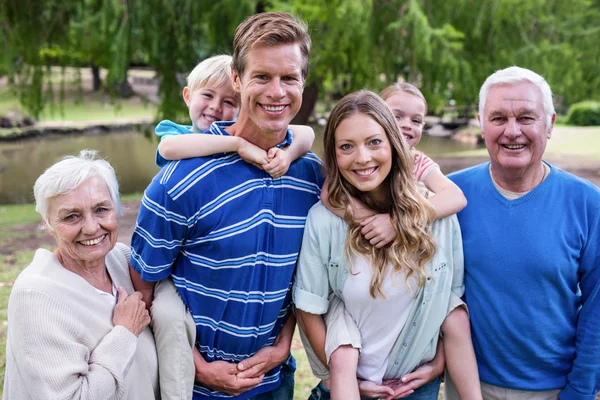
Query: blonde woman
point(397, 296)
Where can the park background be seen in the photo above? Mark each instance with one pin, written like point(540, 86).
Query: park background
point(78, 74)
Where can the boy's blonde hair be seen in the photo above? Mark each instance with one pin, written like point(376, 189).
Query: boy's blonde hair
point(212, 72)
point(403, 87)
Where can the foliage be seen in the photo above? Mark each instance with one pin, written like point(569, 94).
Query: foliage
point(586, 113)
point(446, 48)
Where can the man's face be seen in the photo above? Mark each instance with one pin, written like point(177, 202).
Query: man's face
point(271, 86)
point(514, 127)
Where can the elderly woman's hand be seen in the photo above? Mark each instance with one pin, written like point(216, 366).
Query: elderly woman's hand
point(131, 312)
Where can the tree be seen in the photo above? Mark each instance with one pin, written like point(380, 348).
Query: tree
point(445, 48)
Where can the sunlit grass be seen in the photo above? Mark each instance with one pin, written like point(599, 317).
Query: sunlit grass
point(94, 107)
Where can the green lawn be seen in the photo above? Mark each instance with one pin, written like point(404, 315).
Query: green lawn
point(95, 107)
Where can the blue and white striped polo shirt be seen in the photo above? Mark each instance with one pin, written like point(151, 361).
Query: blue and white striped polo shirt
point(229, 235)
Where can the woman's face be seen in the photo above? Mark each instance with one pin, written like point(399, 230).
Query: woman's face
point(364, 154)
point(84, 222)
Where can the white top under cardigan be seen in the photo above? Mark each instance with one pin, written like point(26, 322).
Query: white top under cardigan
point(322, 266)
point(381, 319)
point(62, 343)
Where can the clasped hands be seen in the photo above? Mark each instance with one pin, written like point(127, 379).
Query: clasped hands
point(275, 162)
point(235, 379)
point(405, 386)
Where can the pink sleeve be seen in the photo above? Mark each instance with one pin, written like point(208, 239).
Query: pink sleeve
point(423, 165)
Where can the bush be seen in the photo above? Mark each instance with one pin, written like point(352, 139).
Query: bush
point(586, 113)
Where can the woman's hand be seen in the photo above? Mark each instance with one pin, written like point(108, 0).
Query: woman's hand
point(374, 391)
point(131, 312)
point(414, 380)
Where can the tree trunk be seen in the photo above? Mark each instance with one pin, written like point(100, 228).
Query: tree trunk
point(309, 99)
point(96, 77)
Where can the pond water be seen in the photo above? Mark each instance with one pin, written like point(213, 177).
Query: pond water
point(130, 153)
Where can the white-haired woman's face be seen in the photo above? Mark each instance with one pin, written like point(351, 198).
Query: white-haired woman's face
point(84, 222)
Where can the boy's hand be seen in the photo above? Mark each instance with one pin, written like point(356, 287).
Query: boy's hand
point(278, 162)
point(252, 153)
point(379, 230)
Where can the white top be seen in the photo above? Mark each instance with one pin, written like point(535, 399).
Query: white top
point(380, 320)
point(110, 298)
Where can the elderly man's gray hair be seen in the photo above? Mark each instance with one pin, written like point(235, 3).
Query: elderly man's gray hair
point(512, 76)
point(70, 172)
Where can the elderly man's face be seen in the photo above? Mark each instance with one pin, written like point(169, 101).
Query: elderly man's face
point(514, 127)
point(271, 86)
point(84, 222)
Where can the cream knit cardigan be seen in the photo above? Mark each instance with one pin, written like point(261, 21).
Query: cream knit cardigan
point(62, 343)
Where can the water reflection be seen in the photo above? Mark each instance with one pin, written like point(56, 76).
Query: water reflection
point(130, 153)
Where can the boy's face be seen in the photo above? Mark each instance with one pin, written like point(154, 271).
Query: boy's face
point(209, 104)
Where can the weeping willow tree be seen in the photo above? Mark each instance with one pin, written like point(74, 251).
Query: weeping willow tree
point(169, 36)
point(446, 48)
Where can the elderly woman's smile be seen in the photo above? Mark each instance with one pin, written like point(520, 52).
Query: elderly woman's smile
point(84, 222)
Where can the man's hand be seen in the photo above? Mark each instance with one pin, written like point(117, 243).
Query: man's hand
point(262, 362)
point(372, 390)
point(278, 162)
point(252, 153)
point(222, 376)
point(379, 230)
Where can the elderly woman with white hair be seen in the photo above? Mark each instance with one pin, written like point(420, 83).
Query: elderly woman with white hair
point(74, 332)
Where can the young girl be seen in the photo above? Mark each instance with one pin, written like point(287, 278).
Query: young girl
point(210, 97)
point(357, 318)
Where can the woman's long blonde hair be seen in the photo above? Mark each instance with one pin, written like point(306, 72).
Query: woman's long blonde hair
point(410, 212)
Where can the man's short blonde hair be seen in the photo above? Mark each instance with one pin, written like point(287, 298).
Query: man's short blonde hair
point(212, 72)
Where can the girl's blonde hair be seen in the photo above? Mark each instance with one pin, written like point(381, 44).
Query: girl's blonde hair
point(410, 212)
point(403, 87)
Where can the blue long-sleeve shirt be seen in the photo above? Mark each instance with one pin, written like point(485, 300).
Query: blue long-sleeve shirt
point(532, 282)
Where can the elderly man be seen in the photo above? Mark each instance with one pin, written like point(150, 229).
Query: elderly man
point(229, 234)
point(531, 238)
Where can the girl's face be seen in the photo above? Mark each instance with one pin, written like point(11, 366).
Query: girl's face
point(409, 111)
point(364, 154)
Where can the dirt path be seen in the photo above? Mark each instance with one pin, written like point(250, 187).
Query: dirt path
point(30, 237)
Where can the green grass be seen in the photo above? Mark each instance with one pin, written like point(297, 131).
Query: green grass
point(10, 267)
point(95, 107)
point(11, 214)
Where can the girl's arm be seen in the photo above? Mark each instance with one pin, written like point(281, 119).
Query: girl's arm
point(376, 228)
point(314, 329)
point(448, 199)
point(279, 160)
point(359, 210)
point(178, 147)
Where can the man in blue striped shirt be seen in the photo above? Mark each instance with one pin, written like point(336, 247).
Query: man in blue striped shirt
point(228, 233)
